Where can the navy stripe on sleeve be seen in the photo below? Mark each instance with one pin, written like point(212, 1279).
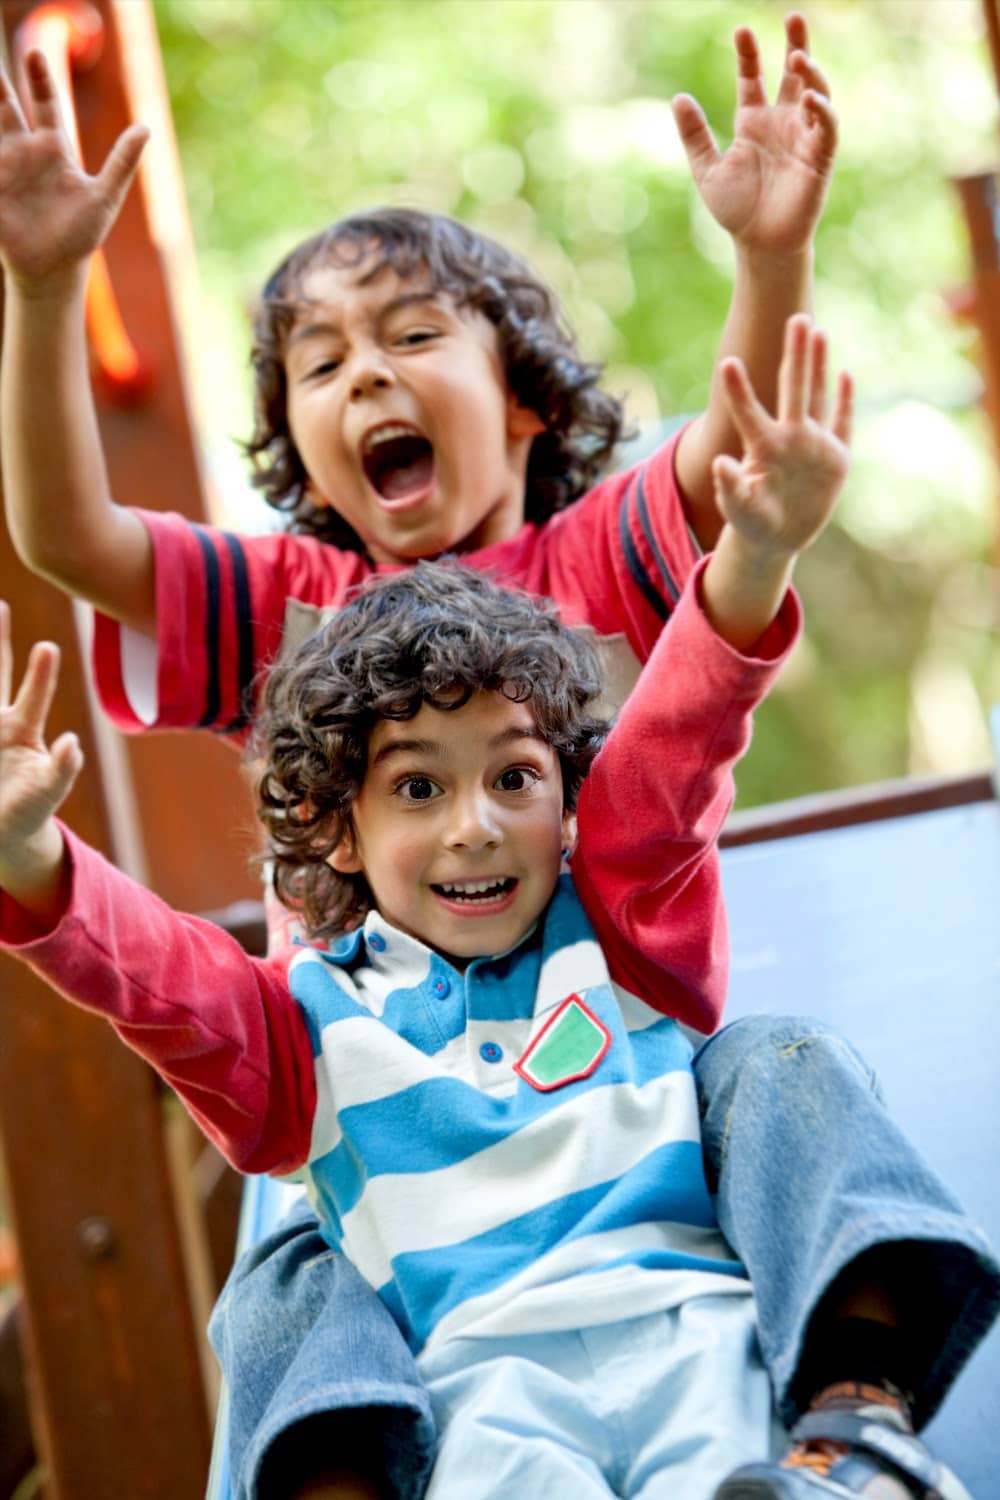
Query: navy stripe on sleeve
point(647, 530)
point(213, 604)
point(244, 634)
point(640, 577)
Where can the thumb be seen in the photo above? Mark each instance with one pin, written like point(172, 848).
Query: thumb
point(66, 758)
point(696, 137)
point(727, 475)
point(120, 164)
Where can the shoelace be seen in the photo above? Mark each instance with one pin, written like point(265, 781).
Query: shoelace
point(818, 1455)
point(818, 1458)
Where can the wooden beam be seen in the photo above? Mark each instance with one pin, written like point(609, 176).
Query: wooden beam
point(979, 195)
point(991, 15)
point(121, 1408)
point(119, 1400)
point(854, 805)
point(185, 791)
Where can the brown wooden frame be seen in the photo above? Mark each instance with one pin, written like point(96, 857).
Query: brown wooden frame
point(112, 1315)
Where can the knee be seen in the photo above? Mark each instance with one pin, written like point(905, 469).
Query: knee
point(766, 1034)
point(763, 1050)
point(276, 1285)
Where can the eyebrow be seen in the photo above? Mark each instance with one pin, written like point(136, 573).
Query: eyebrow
point(323, 327)
point(436, 747)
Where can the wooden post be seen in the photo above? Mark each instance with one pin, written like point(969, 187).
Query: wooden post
point(119, 1399)
point(981, 300)
point(120, 1405)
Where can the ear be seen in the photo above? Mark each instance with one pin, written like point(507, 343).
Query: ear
point(345, 858)
point(316, 495)
point(568, 833)
point(522, 422)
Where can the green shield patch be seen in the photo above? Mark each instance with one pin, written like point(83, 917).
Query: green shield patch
point(569, 1047)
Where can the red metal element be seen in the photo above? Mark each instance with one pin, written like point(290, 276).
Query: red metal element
point(71, 35)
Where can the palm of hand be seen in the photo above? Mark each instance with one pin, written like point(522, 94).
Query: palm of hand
point(767, 190)
point(52, 214)
point(788, 486)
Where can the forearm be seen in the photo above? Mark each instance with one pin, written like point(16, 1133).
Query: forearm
point(655, 800)
point(767, 290)
point(60, 513)
point(220, 1027)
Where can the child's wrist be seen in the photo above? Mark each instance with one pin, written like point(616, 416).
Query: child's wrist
point(35, 872)
point(57, 289)
point(760, 562)
point(760, 263)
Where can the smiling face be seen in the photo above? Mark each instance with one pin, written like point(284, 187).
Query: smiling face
point(459, 826)
point(399, 409)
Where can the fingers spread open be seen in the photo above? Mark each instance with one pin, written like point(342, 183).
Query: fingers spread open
point(696, 137)
point(67, 762)
point(34, 697)
point(843, 411)
point(796, 44)
point(42, 95)
point(750, 87)
point(121, 162)
point(822, 137)
point(749, 416)
point(792, 400)
point(809, 73)
point(11, 114)
point(796, 33)
point(6, 655)
point(817, 375)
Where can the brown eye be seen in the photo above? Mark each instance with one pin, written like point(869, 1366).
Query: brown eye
point(516, 779)
point(417, 789)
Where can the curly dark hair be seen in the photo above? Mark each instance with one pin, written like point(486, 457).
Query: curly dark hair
point(543, 368)
point(435, 634)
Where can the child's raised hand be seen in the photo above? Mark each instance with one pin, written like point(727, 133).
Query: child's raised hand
point(35, 778)
point(53, 214)
point(779, 498)
point(768, 188)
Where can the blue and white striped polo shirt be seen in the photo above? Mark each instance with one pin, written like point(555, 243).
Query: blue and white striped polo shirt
point(474, 1188)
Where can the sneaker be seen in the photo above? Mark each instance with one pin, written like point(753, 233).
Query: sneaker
point(856, 1441)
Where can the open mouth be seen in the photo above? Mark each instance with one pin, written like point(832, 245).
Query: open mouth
point(476, 892)
point(398, 461)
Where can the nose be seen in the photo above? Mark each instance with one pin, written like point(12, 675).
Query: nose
point(474, 823)
point(370, 372)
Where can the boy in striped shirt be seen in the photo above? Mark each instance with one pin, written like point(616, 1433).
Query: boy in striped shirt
point(479, 1078)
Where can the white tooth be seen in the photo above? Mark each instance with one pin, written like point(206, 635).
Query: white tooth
point(386, 434)
point(472, 887)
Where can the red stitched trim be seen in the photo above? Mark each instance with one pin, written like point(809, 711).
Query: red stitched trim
point(547, 1088)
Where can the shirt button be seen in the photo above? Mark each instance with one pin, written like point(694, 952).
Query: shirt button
point(377, 942)
point(490, 1052)
point(441, 987)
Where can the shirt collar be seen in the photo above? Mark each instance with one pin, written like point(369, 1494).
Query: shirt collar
point(390, 951)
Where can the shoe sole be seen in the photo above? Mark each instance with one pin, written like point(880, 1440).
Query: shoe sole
point(792, 1487)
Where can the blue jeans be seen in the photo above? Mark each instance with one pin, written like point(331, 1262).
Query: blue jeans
point(809, 1172)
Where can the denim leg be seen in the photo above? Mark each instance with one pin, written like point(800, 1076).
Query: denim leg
point(810, 1171)
point(299, 1333)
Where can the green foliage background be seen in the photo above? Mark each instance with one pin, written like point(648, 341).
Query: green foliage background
point(547, 123)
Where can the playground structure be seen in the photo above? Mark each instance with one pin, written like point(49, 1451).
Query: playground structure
point(124, 1221)
point(114, 1233)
